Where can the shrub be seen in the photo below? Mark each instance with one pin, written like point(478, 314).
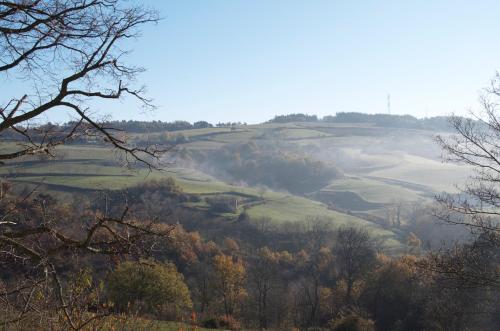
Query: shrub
point(223, 204)
point(222, 322)
point(353, 322)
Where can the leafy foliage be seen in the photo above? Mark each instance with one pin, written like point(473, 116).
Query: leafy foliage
point(148, 287)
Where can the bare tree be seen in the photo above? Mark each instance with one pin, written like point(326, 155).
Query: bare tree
point(42, 244)
point(476, 143)
point(264, 281)
point(69, 54)
point(354, 254)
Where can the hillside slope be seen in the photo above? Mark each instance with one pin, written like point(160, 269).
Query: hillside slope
point(360, 170)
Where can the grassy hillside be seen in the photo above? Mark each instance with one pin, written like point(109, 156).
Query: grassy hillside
point(380, 166)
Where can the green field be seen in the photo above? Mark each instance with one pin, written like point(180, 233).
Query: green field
point(374, 190)
point(100, 173)
point(381, 167)
point(426, 172)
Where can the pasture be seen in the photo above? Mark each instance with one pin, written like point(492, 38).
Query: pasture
point(380, 167)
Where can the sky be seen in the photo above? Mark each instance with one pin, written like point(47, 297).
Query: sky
point(234, 60)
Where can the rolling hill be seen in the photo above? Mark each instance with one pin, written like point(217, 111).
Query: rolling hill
point(374, 168)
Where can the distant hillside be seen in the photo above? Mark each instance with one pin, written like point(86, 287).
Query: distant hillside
point(350, 168)
point(437, 123)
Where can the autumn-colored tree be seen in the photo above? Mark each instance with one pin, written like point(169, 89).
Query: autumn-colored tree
point(354, 256)
point(230, 245)
point(309, 289)
point(230, 277)
point(394, 294)
point(353, 322)
point(414, 243)
point(202, 282)
point(148, 287)
point(264, 278)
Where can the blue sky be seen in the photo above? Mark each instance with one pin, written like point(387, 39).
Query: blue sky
point(250, 60)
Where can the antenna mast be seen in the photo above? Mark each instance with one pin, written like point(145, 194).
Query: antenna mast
point(388, 104)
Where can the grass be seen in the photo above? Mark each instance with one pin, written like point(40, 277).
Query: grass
point(374, 190)
point(234, 137)
point(282, 207)
point(378, 164)
point(95, 175)
point(200, 132)
point(366, 161)
point(427, 172)
point(202, 145)
point(299, 133)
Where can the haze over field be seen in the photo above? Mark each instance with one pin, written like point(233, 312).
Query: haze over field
point(249, 165)
point(284, 170)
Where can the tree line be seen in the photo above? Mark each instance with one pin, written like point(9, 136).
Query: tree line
point(436, 123)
